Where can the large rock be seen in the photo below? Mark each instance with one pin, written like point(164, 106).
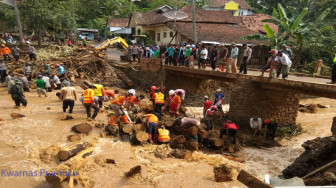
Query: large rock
point(277, 181)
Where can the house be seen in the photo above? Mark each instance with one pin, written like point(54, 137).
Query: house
point(118, 26)
point(89, 34)
point(216, 26)
point(236, 7)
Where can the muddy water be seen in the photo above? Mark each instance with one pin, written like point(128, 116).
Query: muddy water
point(31, 143)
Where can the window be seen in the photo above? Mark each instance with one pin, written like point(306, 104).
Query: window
point(139, 32)
point(159, 37)
point(171, 34)
point(165, 35)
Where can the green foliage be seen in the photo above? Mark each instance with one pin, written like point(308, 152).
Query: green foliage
point(148, 40)
point(151, 4)
point(7, 17)
point(288, 131)
point(54, 17)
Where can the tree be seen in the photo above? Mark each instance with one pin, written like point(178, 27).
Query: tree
point(44, 16)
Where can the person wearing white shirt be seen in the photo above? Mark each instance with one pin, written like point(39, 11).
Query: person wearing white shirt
point(256, 124)
point(56, 81)
point(204, 56)
point(286, 64)
point(247, 54)
point(47, 82)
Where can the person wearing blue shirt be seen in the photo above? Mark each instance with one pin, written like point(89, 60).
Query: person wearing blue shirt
point(60, 70)
point(219, 98)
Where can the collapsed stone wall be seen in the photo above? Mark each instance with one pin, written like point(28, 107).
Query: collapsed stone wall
point(249, 99)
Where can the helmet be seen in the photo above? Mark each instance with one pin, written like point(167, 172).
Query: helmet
point(171, 92)
point(57, 65)
point(206, 97)
point(267, 121)
point(131, 91)
point(3, 45)
point(153, 88)
point(214, 107)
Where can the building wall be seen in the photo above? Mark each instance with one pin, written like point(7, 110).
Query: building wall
point(165, 33)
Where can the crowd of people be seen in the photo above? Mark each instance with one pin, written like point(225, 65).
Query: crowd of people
point(219, 57)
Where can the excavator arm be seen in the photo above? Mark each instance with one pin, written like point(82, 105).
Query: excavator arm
point(110, 42)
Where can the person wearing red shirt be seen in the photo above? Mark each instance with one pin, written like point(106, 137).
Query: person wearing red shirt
point(230, 129)
point(207, 104)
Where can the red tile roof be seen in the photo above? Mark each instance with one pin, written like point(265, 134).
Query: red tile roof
point(254, 22)
point(220, 3)
point(223, 33)
point(117, 22)
point(202, 16)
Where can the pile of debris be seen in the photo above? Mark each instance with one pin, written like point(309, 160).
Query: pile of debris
point(80, 63)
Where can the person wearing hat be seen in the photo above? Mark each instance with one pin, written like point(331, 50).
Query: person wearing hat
point(208, 117)
point(61, 71)
point(207, 104)
point(89, 102)
point(234, 57)
point(247, 54)
point(31, 52)
point(27, 70)
point(256, 124)
point(41, 86)
point(186, 56)
point(5, 52)
point(99, 92)
point(47, 68)
point(219, 99)
point(25, 83)
point(272, 127)
point(17, 94)
point(213, 57)
point(288, 52)
point(131, 99)
point(175, 104)
point(68, 96)
point(222, 55)
point(158, 99)
point(271, 64)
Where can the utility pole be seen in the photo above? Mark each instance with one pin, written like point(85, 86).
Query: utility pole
point(194, 21)
point(18, 20)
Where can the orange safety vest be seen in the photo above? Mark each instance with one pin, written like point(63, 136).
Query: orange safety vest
point(159, 98)
point(164, 135)
point(119, 101)
point(88, 96)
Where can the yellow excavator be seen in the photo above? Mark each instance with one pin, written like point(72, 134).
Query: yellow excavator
point(110, 42)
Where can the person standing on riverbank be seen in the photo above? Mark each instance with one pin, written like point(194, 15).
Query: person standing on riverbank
point(234, 57)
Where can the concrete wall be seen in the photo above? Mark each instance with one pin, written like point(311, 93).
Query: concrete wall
point(159, 29)
point(248, 99)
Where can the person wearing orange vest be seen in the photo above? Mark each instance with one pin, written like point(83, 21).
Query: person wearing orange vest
point(163, 135)
point(175, 104)
point(153, 88)
point(158, 98)
point(99, 92)
point(116, 105)
point(88, 102)
point(152, 127)
point(230, 129)
point(5, 52)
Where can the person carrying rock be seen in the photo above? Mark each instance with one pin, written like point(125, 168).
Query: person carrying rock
point(99, 92)
point(158, 98)
point(208, 117)
point(229, 129)
point(88, 101)
point(68, 96)
point(272, 127)
point(41, 86)
point(17, 94)
point(152, 127)
point(117, 106)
